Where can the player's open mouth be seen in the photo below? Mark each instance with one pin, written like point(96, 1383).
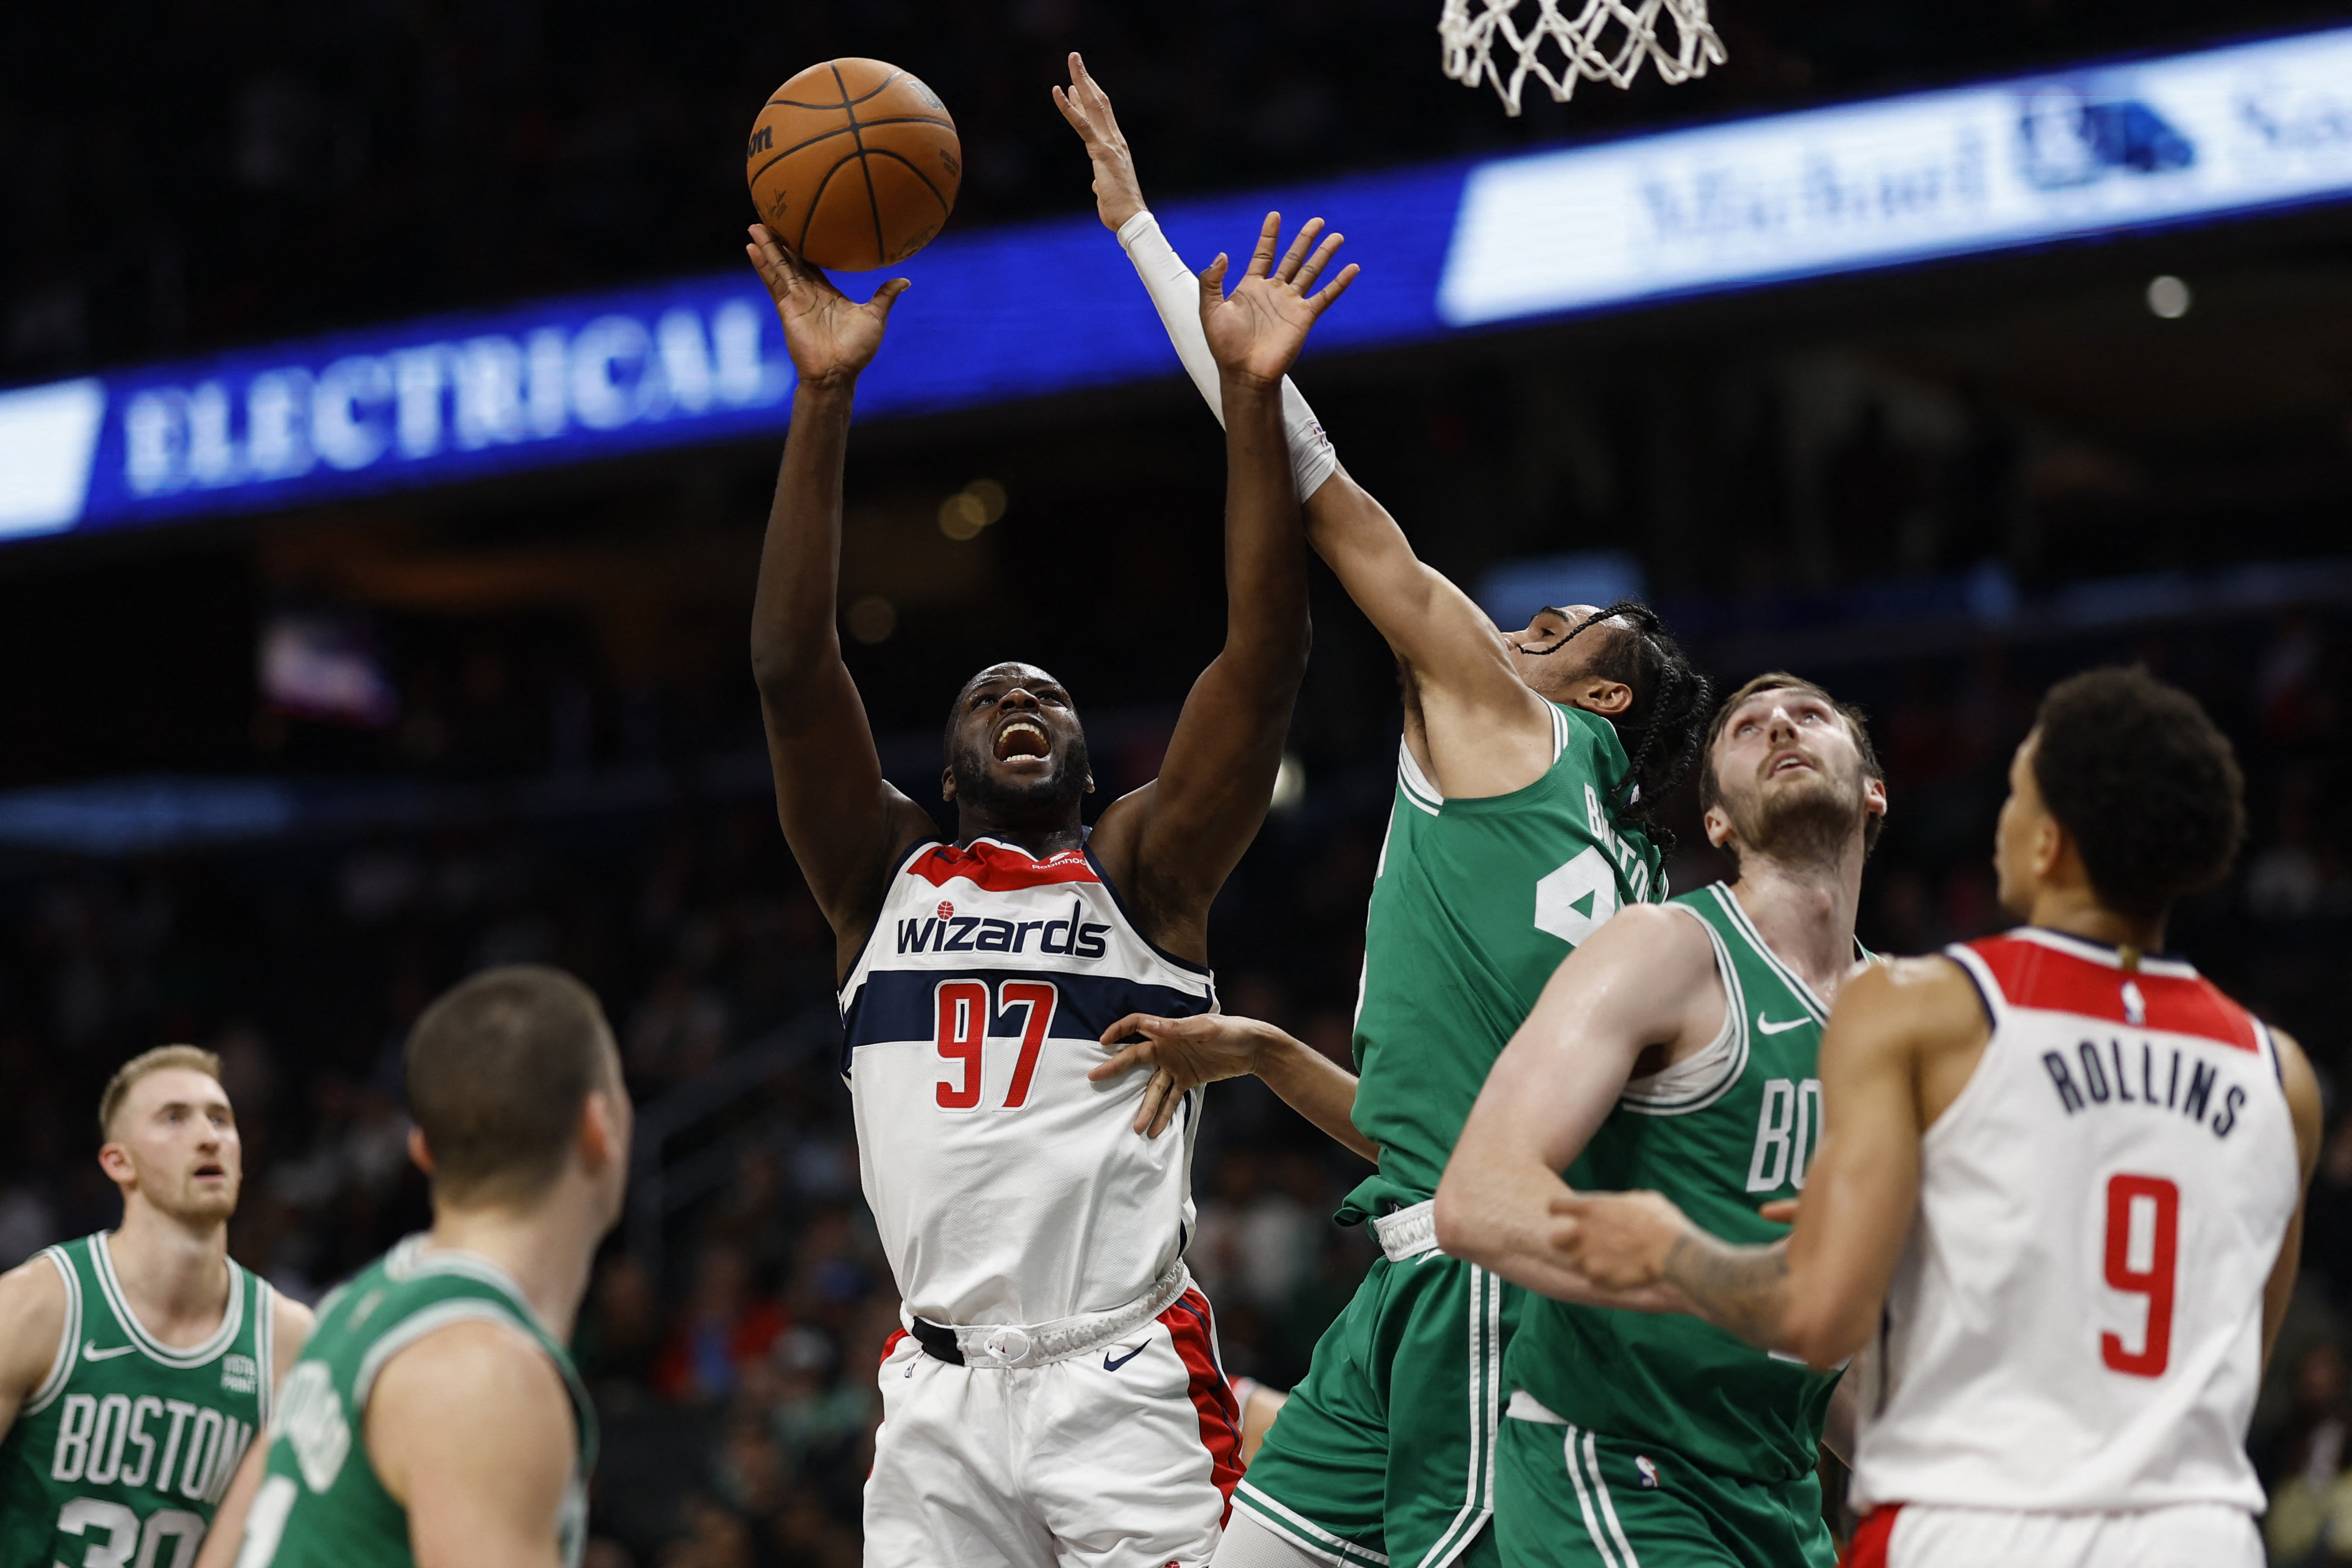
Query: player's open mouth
point(214, 1171)
point(1788, 763)
point(1022, 738)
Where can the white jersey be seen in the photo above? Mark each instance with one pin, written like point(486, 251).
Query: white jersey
point(1008, 1189)
point(2076, 1322)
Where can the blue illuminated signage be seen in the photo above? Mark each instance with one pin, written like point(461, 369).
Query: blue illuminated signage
point(1008, 313)
point(1905, 179)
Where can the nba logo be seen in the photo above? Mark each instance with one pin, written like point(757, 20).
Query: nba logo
point(2135, 1005)
point(1648, 1470)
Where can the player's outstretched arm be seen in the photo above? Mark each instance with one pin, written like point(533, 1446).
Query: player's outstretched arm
point(1171, 844)
point(1119, 199)
point(1491, 735)
point(1185, 1053)
point(2304, 1103)
point(471, 1431)
point(1901, 1040)
point(846, 825)
point(1645, 979)
point(1487, 732)
point(32, 1316)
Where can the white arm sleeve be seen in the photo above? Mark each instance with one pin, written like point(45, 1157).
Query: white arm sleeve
point(1176, 295)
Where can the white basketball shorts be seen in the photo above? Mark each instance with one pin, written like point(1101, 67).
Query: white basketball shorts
point(1122, 1457)
point(2193, 1535)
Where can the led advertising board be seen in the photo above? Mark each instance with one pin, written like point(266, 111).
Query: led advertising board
point(1906, 179)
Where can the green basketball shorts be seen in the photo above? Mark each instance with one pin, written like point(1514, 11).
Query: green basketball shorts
point(1569, 1497)
point(1384, 1456)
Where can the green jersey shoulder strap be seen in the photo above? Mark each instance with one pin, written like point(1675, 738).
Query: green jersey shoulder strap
point(321, 1503)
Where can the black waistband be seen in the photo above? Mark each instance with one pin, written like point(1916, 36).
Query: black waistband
point(938, 1342)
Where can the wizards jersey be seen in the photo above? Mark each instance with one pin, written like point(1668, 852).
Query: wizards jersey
point(2075, 1323)
point(1008, 1188)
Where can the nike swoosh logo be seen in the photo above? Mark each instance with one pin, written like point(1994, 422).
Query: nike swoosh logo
point(1111, 1365)
point(90, 1352)
point(1765, 1025)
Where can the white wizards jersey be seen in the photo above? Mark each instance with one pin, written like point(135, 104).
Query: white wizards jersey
point(2075, 1323)
point(1008, 1188)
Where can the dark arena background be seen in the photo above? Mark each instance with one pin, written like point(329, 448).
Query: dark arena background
point(303, 718)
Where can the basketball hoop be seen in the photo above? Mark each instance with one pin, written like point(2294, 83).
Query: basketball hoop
point(1606, 41)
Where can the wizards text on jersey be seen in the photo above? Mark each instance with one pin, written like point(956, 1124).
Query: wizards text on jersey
point(1010, 1188)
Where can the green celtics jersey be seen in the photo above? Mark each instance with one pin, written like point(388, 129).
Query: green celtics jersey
point(124, 1452)
point(319, 1504)
point(1474, 904)
point(1720, 1133)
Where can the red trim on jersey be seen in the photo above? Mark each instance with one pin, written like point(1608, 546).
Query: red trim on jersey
point(1868, 1548)
point(1188, 1330)
point(2032, 975)
point(891, 1343)
point(995, 869)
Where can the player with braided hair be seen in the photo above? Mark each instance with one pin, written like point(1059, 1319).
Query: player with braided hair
point(1529, 763)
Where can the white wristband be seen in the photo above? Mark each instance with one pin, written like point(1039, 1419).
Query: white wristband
point(1176, 294)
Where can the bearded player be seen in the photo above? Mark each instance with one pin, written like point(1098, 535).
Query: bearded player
point(1676, 1049)
point(137, 1363)
point(1529, 764)
point(434, 1417)
point(1055, 1395)
point(2060, 1200)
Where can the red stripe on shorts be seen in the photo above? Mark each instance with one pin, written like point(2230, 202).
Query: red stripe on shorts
point(888, 1346)
point(1190, 1329)
point(1869, 1546)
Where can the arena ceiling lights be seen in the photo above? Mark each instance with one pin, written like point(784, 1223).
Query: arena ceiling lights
point(1024, 311)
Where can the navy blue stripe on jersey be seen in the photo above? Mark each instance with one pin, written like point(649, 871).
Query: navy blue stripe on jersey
point(897, 1005)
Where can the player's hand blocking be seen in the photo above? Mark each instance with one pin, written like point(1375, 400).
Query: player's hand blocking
point(830, 336)
point(1184, 1054)
point(1257, 330)
point(1119, 195)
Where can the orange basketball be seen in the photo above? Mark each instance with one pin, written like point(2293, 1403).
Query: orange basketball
point(854, 164)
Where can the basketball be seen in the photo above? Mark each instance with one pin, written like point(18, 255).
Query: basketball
point(854, 164)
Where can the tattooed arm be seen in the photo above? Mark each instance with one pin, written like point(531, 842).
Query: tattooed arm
point(1742, 1288)
point(1627, 1240)
point(1901, 1042)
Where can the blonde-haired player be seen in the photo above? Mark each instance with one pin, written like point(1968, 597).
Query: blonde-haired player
point(137, 1363)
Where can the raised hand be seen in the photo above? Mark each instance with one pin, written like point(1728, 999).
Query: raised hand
point(1119, 196)
point(1257, 330)
point(831, 338)
point(1183, 1054)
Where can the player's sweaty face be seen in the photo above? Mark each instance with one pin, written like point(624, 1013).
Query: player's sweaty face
point(1545, 655)
point(1015, 738)
point(1789, 774)
point(180, 1135)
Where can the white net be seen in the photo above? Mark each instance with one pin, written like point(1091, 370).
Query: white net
point(1563, 40)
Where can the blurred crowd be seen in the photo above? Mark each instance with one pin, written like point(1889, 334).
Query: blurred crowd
point(185, 176)
point(734, 1319)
